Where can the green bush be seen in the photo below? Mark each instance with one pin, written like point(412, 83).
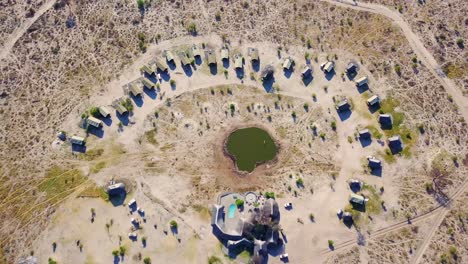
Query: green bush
point(300, 182)
point(331, 243)
point(94, 111)
point(147, 260)
point(192, 28)
point(141, 4)
point(239, 202)
point(51, 261)
point(173, 224)
point(270, 195)
point(398, 69)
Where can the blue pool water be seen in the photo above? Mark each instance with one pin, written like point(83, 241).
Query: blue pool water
point(232, 210)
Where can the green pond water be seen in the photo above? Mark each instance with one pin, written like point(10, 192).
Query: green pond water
point(250, 146)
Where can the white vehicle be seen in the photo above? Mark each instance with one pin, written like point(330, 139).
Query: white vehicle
point(284, 256)
point(287, 205)
point(140, 210)
point(132, 235)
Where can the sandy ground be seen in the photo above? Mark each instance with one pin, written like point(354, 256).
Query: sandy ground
point(166, 191)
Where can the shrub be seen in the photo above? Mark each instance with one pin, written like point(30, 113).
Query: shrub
point(300, 182)
point(460, 43)
point(115, 252)
point(306, 106)
point(214, 260)
point(232, 107)
point(192, 28)
point(311, 217)
point(141, 4)
point(173, 224)
point(293, 114)
point(239, 202)
point(51, 261)
point(333, 125)
point(270, 195)
point(398, 69)
point(147, 260)
point(122, 251)
point(94, 111)
point(172, 82)
point(331, 243)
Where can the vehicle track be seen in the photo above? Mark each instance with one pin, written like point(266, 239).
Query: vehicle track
point(18, 32)
point(442, 210)
point(417, 46)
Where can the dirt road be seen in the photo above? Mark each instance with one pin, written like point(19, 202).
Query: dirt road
point(418, 47)
point(17, 33)
point(440, 211)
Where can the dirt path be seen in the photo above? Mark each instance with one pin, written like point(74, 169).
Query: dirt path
point(441, 211)
point(418, 47)
point(17, 33)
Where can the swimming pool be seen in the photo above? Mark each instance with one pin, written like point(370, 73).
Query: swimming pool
point(232, 210)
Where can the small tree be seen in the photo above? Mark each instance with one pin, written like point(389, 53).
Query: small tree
point(300, 182)
point(460, 42)
point(232, 107)
point(192, 28)
point(331, 243)
point(312, 217)
point(147, 260)
point(51, 261)
point(333, 125)
point(239, 202)
point(270, 195)
point(94, 111)
point(398, 69)
point(122, 251)
point(172, 82)
point(293, 114)
point(173, 224)
point(115, 252)
point(141, 4)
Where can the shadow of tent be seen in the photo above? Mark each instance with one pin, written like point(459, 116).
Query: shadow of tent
point(123, 118)
point(307, 79)
point(172, 65)
point(198, 60)
point(395, 149)
point(362, 88)
point(116, 260)
point(359, 207)
point(174, 230)
point(348, 223)
point(329, 75)
point(117, 199)
point(150, 92)
point(288, 72)
point(240, 73)
point(268, 84)
point(79, 148)
point(165, 75)
point(96, 131)
point(187, 70)
point(386, 126)
point(151, 77)
point(256, 65)
point(377, 172)
point(275, 249)
point(213, 68)
point(226, 63)
point(107, 120)
point(344, 115)
point(138, 100)
point(351, 75)
point(374, 108)
point(365, 142)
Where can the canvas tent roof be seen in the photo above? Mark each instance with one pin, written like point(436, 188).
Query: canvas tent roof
point(373, 100)
point(254, 54)
point(135, 90)
point(361, 81)
point(287, 63)
point(147, 69)
point(357, 199)
point(169, 55)
point(307, 70)
point(224, 54)
point(94, 121)
point(196, 51)
point(211, 57)
point(184, 59)
point(120, 109)
point(160, 65)
point(343, 105)
point(104, 111)
point(329, 65)
point(148, 83)
point(77, 140)
point(238, 61)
